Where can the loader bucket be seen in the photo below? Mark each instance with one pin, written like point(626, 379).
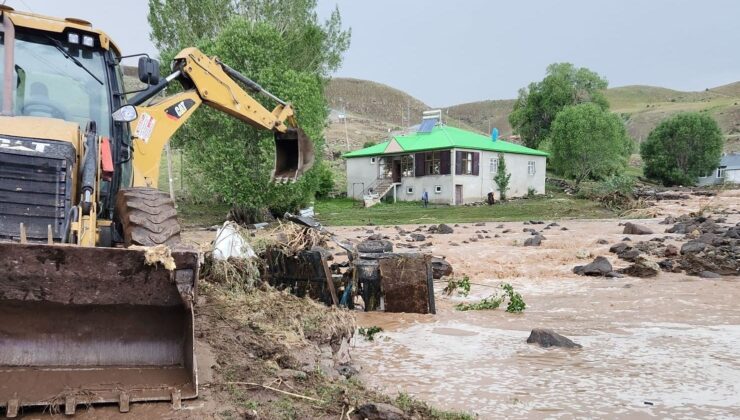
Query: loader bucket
point(94, 325)
point(294, 155)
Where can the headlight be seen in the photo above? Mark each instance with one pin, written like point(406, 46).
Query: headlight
point(126, 113)
point(73, 38)
point(88, 41)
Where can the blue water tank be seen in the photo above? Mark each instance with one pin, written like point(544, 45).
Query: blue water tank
point(494, 134)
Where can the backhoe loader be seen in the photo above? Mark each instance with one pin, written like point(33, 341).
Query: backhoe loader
point(89, 312)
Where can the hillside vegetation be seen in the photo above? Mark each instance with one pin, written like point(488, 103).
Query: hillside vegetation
point(641, 107)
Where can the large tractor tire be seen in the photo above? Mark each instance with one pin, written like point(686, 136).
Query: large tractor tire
point(147, 217)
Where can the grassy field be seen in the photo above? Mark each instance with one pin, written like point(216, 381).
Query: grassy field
point(345, 212)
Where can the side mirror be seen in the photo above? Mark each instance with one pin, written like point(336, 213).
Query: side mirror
point(148, 70)
point(126, 113)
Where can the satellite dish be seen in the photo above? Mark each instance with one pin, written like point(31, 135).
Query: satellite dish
point(494, 134)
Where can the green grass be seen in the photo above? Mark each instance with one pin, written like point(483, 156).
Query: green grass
point(194, 214)
point(346, 212)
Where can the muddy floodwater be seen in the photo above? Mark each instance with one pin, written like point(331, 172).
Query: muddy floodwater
point(667, 346)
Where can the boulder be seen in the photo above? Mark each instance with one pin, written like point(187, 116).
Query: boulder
point(582, 254)
point(602, 242)
point(600, 266)
point(635, 229)
point(670, 251)
point(642, 268)
point(709, 275)
point(618, 248)
point(375, 247)
point(533, 241)
point(692, 247)
point(378, 411)
point(548, 338)
point(417, 237)
point(630, 254)
point(444, 229)
point(440, 268)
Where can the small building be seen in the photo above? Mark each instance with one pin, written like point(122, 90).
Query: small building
point(452, 165)
point(728, 171)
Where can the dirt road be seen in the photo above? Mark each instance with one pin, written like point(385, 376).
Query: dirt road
point(664, 346)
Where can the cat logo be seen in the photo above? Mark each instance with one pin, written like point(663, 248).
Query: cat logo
point(179, 109)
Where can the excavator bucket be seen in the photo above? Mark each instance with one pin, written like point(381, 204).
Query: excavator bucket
point(294, 155)
point(75, 333)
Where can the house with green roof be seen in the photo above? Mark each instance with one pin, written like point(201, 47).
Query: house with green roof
point(452, 165)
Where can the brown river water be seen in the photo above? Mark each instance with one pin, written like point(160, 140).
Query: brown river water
point(662, 347)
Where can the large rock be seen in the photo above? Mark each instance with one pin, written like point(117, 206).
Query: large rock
point(635, 229)
point(375, 247)
point(692, 247)
point(417, 237)
point(642, 267)
point(549, 338)
point(378, 411)
point(630, 254)
point(709, 275)
point(618, 248)
point(441, 268)
point(445, 229)
point(533, 241)
point(599, 267)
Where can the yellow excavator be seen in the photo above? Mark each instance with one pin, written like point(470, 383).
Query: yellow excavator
point(96, 289)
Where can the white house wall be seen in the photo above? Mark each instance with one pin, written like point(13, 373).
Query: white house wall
point(361, 173)
point(517, 166)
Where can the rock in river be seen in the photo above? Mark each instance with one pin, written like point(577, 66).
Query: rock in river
point(635, 229)
point(549, 338)
point(599, 267)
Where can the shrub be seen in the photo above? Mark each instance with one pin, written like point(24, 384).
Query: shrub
point(682, 148)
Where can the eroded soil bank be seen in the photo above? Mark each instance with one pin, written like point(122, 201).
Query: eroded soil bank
point(662, 346)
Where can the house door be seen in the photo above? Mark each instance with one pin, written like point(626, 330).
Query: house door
point(396, 171)
point(458, 194)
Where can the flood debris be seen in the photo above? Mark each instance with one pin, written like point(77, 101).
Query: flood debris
point(546, 337)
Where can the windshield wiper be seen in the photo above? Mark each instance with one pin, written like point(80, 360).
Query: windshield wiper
point(61, 49)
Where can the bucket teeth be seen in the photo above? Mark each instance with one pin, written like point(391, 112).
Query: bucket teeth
point(123, 402)
point(12, 409)
point(70, 405)
point(176, 399)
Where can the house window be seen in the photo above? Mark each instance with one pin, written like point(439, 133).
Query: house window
point(373, 160)
point(407, 165)
point(433, 164)
point(467, 163)
point(720, 172)
point(530, 168)
point(493, 165)
point(409, 190)
point(438, 189)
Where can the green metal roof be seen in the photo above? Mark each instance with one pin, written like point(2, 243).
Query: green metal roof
point(445, 137)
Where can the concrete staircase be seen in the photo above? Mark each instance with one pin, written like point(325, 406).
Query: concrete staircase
point(377, 191)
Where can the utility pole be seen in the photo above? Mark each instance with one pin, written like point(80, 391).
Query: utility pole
point(346, 136)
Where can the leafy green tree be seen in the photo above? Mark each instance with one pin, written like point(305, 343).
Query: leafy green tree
point(588, 142)
point(176, 24)
point(502, 178)
point(282, 46)
point(682, 148)
point(538, 104)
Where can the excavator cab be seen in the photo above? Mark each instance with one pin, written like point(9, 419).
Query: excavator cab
point(97, 290)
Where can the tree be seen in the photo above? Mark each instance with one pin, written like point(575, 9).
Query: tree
point(176, 24)
point(502, 178)
point(682, 148)
point(280, 45)
point(564, 85)
point(588, 142)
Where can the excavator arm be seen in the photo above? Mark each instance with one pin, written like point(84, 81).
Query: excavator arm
point(207, 80)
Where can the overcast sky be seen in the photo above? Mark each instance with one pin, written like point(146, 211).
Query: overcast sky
point(454, 51)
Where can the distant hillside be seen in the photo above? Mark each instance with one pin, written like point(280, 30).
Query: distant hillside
point(374, 100)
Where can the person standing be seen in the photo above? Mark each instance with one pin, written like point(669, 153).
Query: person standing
point(425, 198)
